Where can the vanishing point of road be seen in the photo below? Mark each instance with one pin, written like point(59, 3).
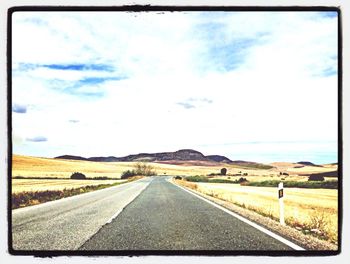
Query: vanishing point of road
point(148, 214)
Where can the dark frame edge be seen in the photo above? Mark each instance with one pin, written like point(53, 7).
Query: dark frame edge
point(9, 128)
point(340, 131)
point(145, 8)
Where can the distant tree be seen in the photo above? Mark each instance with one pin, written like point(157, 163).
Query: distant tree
point(127, 174)
point(144, 169)
point(78, 176)
point(223, 171)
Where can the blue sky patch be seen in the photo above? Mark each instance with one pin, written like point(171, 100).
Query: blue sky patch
point(229, 56)
point(329, 14)
point(66, 67)
point(37, 21)
point(21, 109)
point(193, 102)
point(37, 139)
point(80, 67)
point(96, 80)
point(26, 67)
point(329, 72)
point(82, 86)
point(186, 105)
point(224, 52)
point(74, 121)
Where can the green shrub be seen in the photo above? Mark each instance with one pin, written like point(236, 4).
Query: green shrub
point(316, 178)
point(220, 181)
point(197, 179)
point(127, 174)
point(78, 176)
point(101, 178)
point(298, 184)
point(240, 180)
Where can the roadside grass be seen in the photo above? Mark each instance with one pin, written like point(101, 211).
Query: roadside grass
point(333, 184)
point(269, 177)
point(28, 198)
point(210, 179)
point(311, 211)
point(34, 185)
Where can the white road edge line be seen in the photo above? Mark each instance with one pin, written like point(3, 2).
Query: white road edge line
point(262, 229)
point(114, 216)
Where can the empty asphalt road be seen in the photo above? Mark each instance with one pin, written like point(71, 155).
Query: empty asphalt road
point(67, 223)
point(165, 217)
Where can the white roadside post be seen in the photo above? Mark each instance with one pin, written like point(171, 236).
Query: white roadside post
point(280, 198)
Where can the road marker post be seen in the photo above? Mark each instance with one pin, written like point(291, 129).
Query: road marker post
point(281, 203)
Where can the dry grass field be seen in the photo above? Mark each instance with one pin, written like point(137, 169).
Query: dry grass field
point(29, 185)
point(305, 209)
point(26, 166)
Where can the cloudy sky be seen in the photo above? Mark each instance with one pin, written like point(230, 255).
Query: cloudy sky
point(259, 86)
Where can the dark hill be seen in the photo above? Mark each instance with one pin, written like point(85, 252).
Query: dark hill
point(308, 163)
point(219, 158)
point(104, 159)
point(180, 155)
point(324, 174)
point(183, 154)
point(71, 157)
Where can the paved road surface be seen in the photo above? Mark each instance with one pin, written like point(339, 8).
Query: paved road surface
point(67, 223)
point(165, 217)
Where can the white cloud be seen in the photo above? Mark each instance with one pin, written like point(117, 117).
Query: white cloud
point(276, 91)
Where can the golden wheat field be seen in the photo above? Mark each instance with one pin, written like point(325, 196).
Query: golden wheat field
point(311, 208)
point(26, 185)
point(27, 166)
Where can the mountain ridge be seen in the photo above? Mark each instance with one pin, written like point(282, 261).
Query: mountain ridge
point(182, 155)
